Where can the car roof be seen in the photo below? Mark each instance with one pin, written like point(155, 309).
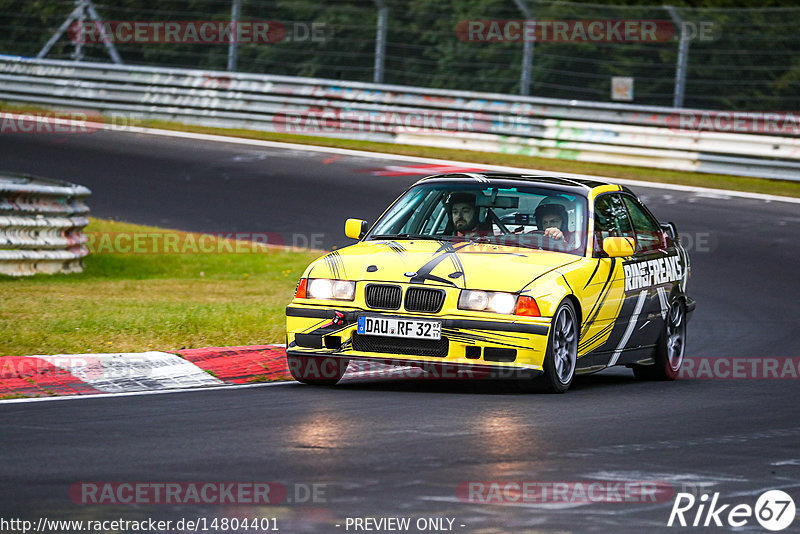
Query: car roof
point(579, 186)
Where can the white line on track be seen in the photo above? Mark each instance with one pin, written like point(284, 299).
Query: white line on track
point(711, 192)
point(707, 191)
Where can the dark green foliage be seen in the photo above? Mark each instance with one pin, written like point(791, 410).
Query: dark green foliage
point(752, 62)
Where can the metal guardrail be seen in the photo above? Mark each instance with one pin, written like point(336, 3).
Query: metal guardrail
point(621, 134)
point(41, 226)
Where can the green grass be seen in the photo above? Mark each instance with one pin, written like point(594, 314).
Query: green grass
point(736, 183)
point(151, 301)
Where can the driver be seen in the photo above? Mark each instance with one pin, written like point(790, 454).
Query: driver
point(553, 219)
point(464, 215)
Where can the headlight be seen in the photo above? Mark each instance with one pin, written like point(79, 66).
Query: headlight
point(491, 301)
point(498, 302)
point(324, 289)
point(502, 302)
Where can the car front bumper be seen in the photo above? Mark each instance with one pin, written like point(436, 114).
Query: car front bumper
point(469, 342)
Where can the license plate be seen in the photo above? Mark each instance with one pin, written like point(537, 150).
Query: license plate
point(399, 327)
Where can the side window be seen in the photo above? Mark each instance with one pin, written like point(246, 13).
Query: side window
point(648, 232)
point(610, 219)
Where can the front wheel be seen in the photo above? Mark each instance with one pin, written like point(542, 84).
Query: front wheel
point(317, 370)
point(670, 348)
point(561, 357)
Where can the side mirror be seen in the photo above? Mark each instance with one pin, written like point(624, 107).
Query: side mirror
point(618, 247)
point(671, 233)
point(355, 228)
point(670, 229)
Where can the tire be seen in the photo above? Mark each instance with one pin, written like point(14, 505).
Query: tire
point(561, 356)
point(317, 370)
point(670, 349)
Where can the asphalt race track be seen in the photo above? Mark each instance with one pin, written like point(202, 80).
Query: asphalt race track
point(400, 448)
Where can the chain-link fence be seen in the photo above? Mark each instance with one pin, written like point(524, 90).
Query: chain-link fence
point(744, 59)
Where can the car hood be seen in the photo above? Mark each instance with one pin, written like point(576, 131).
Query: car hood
point(443, 263)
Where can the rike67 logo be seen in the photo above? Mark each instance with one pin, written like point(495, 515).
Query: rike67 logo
point(774, 510)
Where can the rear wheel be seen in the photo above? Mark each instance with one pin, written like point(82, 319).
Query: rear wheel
point(562, 352)
point(670, 348)
point(317, 370)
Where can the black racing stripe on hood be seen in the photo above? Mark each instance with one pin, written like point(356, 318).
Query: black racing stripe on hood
point(332, 268)
point(334, 262)
point(396, 247)
point(424, 273)
point(459, 267)
point(436, 279)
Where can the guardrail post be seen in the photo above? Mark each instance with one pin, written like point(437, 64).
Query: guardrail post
point(77, 54)
point(107, 42)
point(527, 51)
point(380, 41)
point(683, 58)
point(72, 17)
point(233, 45)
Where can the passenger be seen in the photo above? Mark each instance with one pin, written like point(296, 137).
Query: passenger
point(553, 219)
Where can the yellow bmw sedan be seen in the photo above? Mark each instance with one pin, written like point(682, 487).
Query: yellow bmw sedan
point(534, 277)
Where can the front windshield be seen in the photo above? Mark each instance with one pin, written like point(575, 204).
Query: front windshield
point(530, 217)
